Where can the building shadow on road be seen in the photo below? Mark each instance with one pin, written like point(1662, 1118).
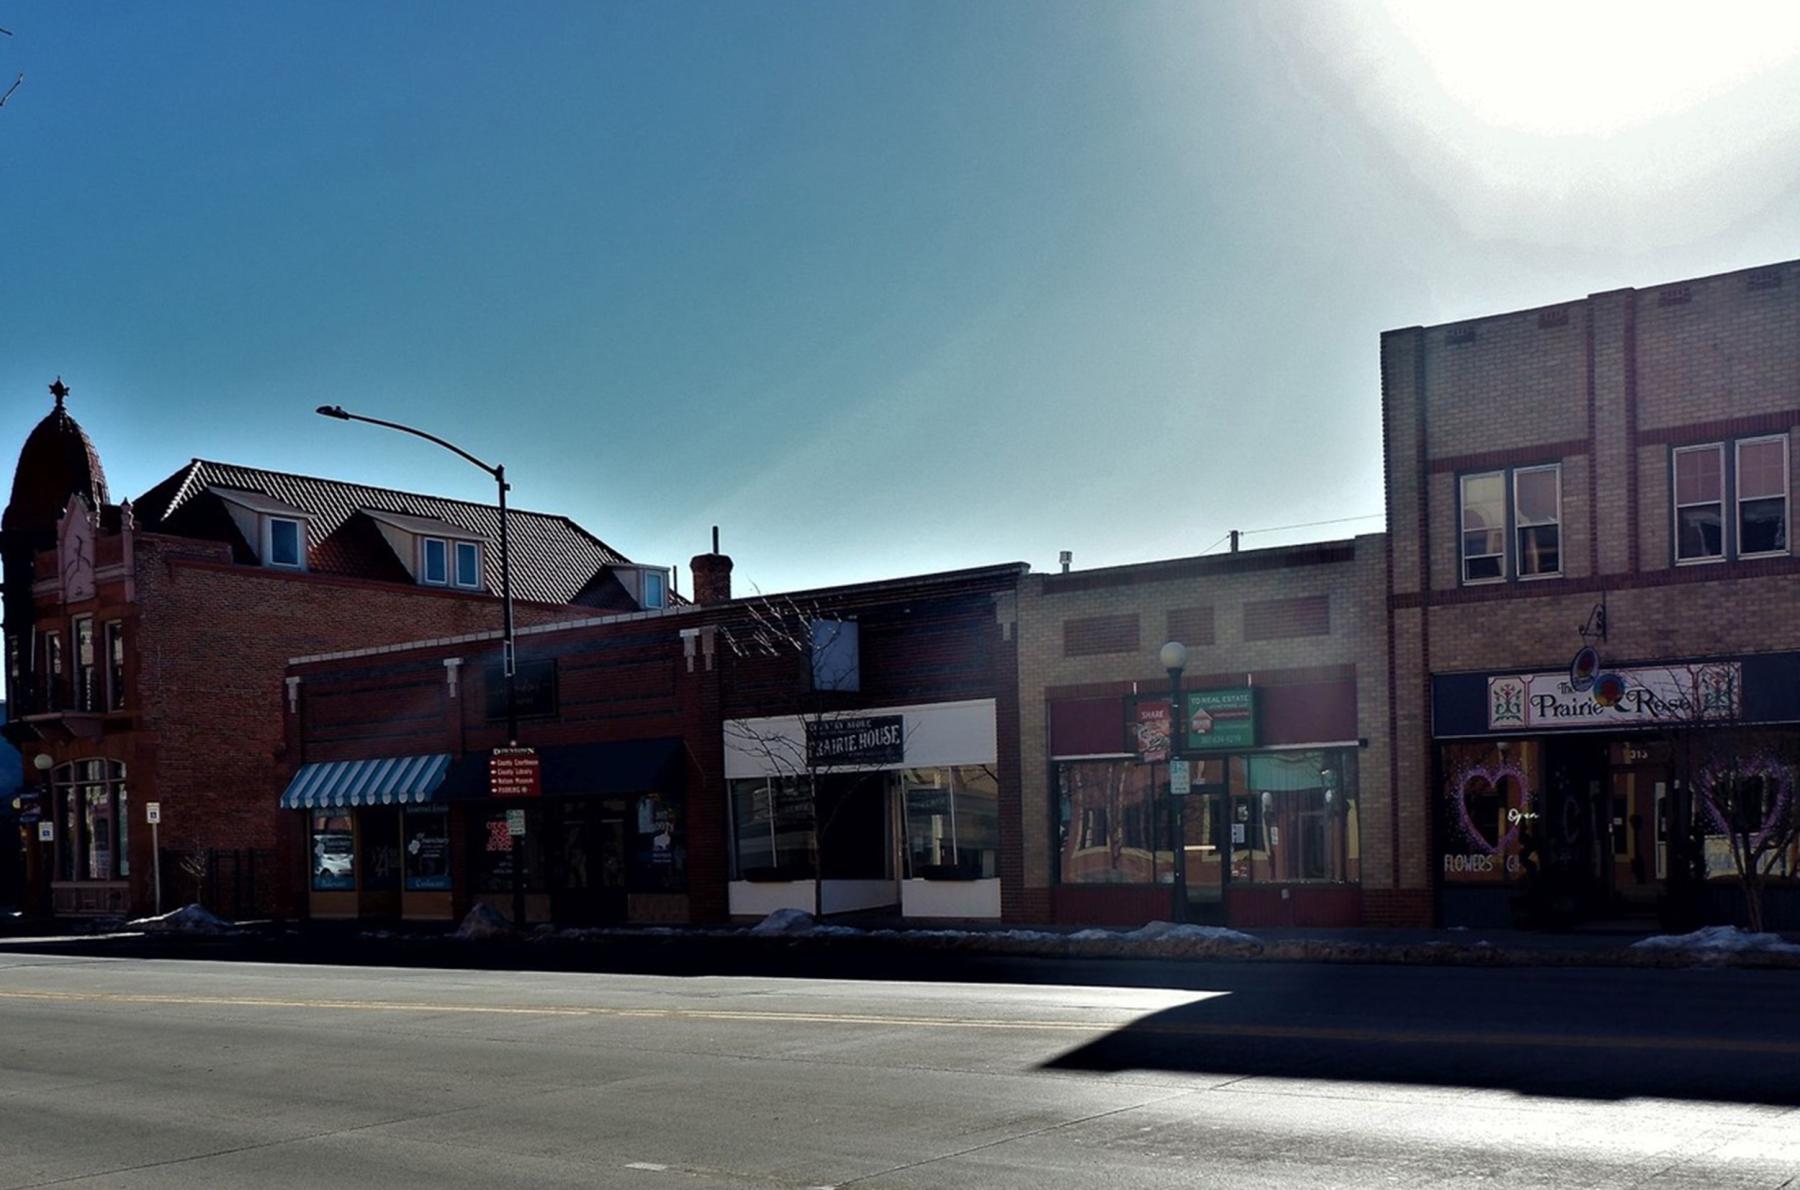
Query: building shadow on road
point(1525, 1051)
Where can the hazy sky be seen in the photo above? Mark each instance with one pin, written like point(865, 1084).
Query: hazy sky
point(880, 288)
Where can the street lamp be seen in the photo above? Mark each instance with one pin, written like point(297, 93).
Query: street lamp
point(1174, 659)
point(508, 655)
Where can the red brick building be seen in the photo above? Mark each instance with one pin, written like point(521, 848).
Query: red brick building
point(845, 749)
point(1620, 463)
point(146, 643)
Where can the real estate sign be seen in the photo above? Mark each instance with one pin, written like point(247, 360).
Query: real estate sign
point(1219, 719)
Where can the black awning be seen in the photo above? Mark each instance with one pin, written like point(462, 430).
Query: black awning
point(572, 770)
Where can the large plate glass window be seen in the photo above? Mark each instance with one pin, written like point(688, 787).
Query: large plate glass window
point(1484, 527)
point(1700, 503)
point(952, 822)
point(333, 851)
point(1537, 512)
point(425, 845)
point(93, 811)
point(1112, 823)
point(1762, 496)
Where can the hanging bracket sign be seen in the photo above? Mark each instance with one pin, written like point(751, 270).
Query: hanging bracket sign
point(515, 772)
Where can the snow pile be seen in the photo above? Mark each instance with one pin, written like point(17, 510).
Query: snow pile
point(485, 923)
point(1718, 940)
point(786, 921)
point(1168, 931)
point(189, 919)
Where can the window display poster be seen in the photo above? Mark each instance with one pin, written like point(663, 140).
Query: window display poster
point(427, 850)
point(333, 853)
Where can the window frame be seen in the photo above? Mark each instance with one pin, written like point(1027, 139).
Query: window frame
point(1462, 530)
point(53, 669)
point(85, 685)
point(112, 636)
point(1515, 527)
point(662, 585)
point(1737, 497)
point(1675, 505)
point(425, 544)
point(456, 569)
point(269, 559)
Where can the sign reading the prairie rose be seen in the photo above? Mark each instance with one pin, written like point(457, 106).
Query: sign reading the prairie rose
point(865, 739)
point(515, 772)
point(1221, 719)
point(1709, 691)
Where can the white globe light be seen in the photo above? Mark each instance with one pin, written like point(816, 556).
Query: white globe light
point(1174, 655)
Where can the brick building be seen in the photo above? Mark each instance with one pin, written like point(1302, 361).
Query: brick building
point(1284, 716)
point(844, 749)
point(146, 644)
point(1621, 464)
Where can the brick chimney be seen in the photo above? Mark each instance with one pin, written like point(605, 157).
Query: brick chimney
point(712, 574)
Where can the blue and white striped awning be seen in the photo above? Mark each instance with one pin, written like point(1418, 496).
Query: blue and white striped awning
point(387, 781)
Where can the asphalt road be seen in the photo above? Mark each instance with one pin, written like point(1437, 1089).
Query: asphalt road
point(137, 1072)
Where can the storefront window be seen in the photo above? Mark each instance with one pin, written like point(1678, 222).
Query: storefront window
point(658, 860)
point(1112, 829)
point(425, 847)
point(493, 854)
point(1294, 817)
point(1490, 810)
point(333, 852)
point(952, 822)
point(93, 815)
point(773, 820)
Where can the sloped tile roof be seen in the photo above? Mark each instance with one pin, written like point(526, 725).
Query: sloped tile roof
point(553, 558)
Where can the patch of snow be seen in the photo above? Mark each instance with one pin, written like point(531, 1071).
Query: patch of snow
point(1718, 940)
point(1168, 931)
point(485, 923)
point(189, 919)
point(786, 921)
point(1091, 935)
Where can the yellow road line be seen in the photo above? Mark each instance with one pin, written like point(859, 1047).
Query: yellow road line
point(1139, 1025)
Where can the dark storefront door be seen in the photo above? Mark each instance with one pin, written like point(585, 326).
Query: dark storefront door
point(586, 864)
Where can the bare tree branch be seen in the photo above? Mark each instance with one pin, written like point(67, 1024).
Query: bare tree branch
point(11, 89)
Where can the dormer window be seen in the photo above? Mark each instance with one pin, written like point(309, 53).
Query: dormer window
point(283, 547)
point(434, 564)
point(654, 593)
point(468, 565)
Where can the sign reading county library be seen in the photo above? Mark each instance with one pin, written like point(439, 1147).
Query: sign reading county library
point(1652, 694)
point(515, 772)
point(868, 739)
point(1221, 719)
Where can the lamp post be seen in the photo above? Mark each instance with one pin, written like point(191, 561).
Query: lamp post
point(1174, 659)
point(508, 652)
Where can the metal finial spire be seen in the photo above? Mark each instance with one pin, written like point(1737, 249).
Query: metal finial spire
point(59, 390)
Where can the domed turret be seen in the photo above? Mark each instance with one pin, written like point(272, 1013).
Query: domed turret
point(57, 461)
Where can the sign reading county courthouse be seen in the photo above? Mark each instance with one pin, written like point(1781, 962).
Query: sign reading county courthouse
point(1653, 694)
point(869, 739)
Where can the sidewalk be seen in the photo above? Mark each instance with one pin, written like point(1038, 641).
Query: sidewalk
point(791, 939)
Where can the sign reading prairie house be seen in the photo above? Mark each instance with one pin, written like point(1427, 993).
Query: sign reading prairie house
point(867, 739)
point(1652, 694)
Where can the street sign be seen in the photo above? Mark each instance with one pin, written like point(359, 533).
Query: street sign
point(515, 823)
point(515, 772)
point(1180, 778)
point(46, 832)
point(152, 812)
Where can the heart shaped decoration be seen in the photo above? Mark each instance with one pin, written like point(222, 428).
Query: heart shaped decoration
point(1479, 779)
point(1775, 779)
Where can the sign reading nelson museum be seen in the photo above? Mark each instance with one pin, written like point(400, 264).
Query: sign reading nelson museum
point(868, 739)
point(1652, 694)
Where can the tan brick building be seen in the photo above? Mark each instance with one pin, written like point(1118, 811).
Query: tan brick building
point(1284, 699)
point(1627, 457)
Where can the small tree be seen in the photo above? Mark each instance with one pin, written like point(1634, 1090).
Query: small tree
point(823, 646)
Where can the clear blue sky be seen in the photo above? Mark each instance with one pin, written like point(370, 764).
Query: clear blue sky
point(880, 288)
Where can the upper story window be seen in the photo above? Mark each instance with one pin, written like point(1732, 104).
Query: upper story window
point(1762, 496)
point(1484, 527)
point(654, 593)
point(1522, 506)
point(468, 564)
point(1751, 478)
point(1537, 513)
point(115, 665)
point(53, 671)
point(1700, 503)
point(434, 561)
point(285, 542)
point(87, 695)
